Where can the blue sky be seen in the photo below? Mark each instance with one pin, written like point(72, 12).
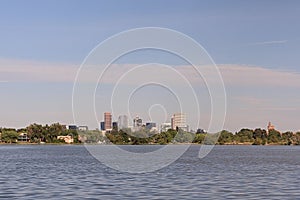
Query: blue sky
point(231, 31)
point(250, 35)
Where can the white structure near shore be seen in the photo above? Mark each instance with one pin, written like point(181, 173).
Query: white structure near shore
point(68, 139)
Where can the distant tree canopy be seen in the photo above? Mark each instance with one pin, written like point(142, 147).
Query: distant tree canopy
point(49, 133)
point(259, 137)
point(225, 137)
point(244, 136)
point(9, 136)
point(39, 133)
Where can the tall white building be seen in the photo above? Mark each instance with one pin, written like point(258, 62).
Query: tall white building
point(178, 121)
point(122, 122)
point(137, 122)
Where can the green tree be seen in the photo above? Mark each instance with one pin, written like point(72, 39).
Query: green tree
point(274, 137)
point(259, 136)
point(35, 132)
point(244, 135)
point(296, 138)
point(51, 132)
point(91, 136)
point(184, 137)
point(211, 138)
point(9, 136)
point(259, 133)
point(225, 137)
point(39, 133)
point(287, 138)
point(199, 138)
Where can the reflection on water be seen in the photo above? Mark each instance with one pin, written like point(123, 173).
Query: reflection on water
point(70, 172)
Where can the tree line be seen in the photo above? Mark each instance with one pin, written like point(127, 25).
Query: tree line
point(37, 133)
point(244, 136)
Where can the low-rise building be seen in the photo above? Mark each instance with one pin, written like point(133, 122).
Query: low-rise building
point(83, 128)
point(165, 127)
point(72, 127)
point(23, 137)
point(68, 138)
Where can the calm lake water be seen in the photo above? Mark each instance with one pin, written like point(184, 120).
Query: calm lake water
point(228, 172)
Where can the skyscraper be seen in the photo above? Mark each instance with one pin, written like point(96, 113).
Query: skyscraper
point(178, 121)
point(137, 122)
point(107, 121)
point(102, 127)
point(115, 126)
point(123, 122)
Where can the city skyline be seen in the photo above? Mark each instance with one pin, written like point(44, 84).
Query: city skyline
point(123, 122)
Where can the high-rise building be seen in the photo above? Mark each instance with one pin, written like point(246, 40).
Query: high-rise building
point(102, 127)
point(178, 121)
point(115, 126)
point(137, 122)
point(107, 121)
point(123, 122)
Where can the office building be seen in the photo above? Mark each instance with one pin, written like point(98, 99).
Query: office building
point(115, 126)
point(178, 121)
point(137, 122)
point(107, 121)
point(102, 127)
point(123, 122)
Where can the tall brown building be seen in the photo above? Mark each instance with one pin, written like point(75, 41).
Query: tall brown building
point(107, 121)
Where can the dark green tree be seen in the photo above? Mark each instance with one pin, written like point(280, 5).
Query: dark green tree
point(199, 138)
point(225, 137)
point(9, 136)
point(259, 136)
point(274, 137)
point(244, 135)
point(35, 132)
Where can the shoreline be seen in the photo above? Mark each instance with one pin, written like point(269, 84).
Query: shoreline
point(82, 144)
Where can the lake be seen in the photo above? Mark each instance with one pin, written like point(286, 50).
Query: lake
point(228, 172)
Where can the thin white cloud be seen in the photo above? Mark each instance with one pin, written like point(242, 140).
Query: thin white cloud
point(243, 75)
point(262, 103)
point(250, 100)
point(233, 75)
point(268, 42)
point(24, 71)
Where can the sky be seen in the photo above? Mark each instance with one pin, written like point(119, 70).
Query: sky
point(255, 45)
